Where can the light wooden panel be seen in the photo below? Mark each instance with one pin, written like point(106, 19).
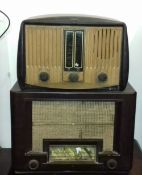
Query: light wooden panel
point(45, 53)
point(103, 54)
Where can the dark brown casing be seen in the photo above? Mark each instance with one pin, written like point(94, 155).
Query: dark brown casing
point(21, 112)
point(75, 21)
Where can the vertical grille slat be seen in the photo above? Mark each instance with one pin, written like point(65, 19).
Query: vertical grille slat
point(103, 44)
point(107, 43)
point(46, 48)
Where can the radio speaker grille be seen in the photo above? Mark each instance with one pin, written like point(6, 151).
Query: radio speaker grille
point(72, 120)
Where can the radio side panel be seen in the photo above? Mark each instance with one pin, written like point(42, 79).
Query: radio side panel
point(124, 72)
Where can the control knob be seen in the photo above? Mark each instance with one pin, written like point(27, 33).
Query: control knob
point(73, 77)
point(112, 164)
point(44, 76)
point(33, 164)
point(102, 77)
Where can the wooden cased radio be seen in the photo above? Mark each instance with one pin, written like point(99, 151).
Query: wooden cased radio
point(75, 132)
point(73, 52)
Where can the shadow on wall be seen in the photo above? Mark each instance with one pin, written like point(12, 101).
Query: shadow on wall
point(136, 78)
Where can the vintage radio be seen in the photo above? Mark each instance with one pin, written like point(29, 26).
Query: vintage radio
point(56, 132)
point(73, 52)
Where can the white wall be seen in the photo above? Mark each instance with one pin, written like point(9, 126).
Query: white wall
point(127, 11)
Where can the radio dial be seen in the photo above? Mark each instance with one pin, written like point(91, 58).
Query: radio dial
point(112, 164)
point(44, 76)
point(33, 164)
point(73, 77)
point(102, 77)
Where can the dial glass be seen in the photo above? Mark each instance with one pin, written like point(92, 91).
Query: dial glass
point(73, 50)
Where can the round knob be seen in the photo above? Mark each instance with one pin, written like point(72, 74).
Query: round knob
point(33, 164)
point(102, 77)
point(73, 77)
point(44, 76)
point(112, 164)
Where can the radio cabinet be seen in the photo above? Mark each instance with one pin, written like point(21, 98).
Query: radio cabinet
point(84, 132)
point(73, 52)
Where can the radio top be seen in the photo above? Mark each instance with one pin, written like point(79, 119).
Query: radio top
point(73, 52)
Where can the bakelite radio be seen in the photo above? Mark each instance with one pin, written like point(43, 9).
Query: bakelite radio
point(70, 52)
point(70, 113)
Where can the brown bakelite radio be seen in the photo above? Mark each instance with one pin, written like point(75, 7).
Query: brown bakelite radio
point(75, 132)
point(73, 52)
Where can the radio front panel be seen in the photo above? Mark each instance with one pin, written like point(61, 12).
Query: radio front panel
point(73, 57)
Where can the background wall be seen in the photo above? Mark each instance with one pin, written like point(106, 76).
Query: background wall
point(127, 11)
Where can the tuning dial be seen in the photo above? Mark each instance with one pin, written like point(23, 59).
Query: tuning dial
point(73, 77)
point(33, 164)
point(112, 164)
point(44, 76)
point(102, 77)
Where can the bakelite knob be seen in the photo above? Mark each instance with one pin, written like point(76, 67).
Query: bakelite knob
point(33, 164)
point(73, 77)
point(112, 164)
point(44, 76)
point(102, 77)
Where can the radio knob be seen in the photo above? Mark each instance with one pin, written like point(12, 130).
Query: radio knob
point(112, 164)
point(33, 164)
point(102, 77)
point(73, 77)
point(44, 76)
